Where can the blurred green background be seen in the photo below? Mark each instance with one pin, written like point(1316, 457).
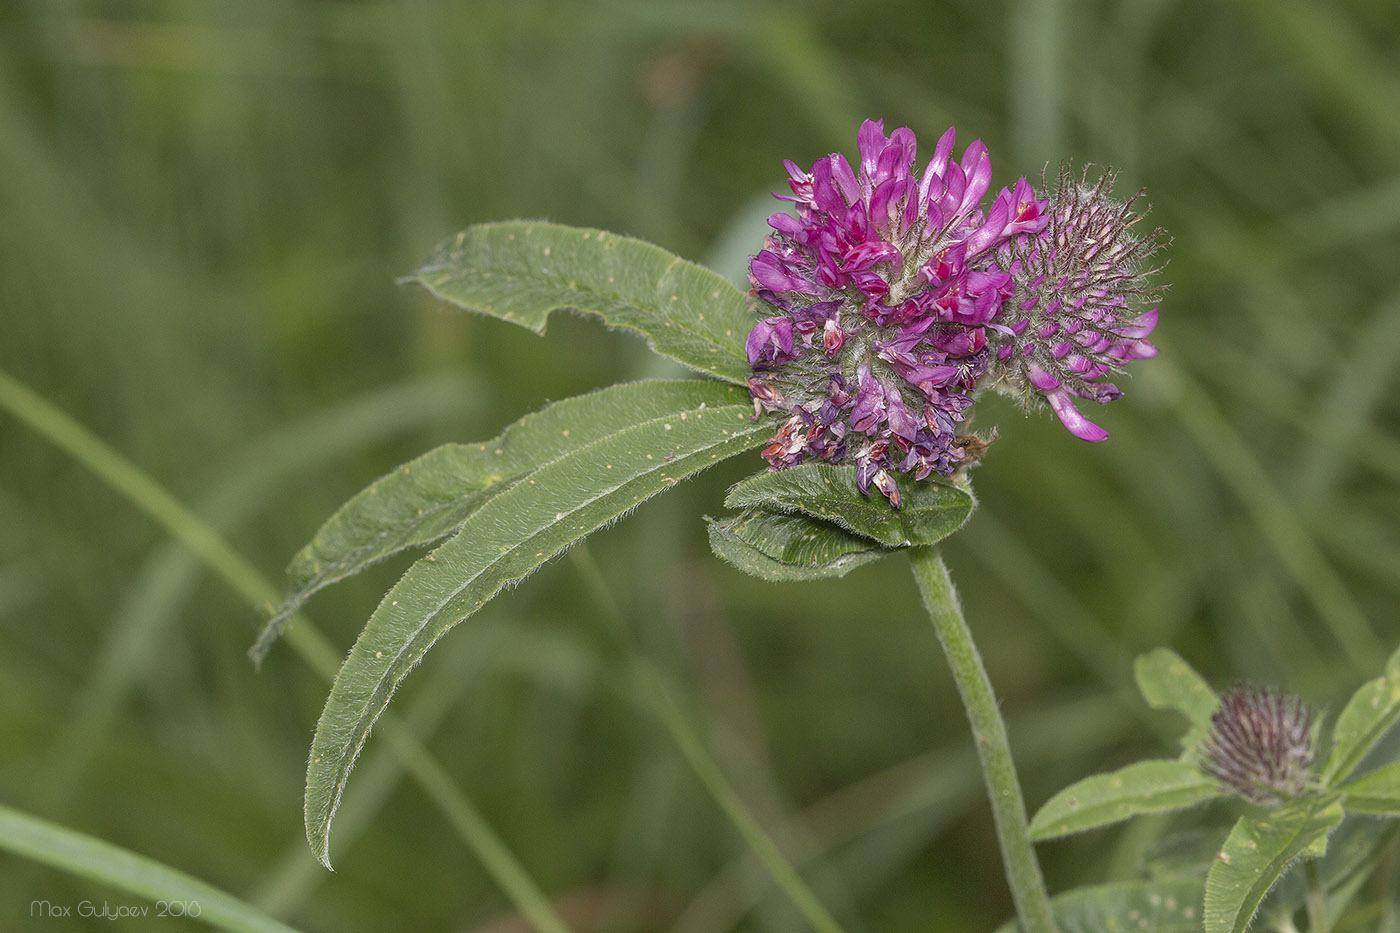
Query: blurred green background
point(203, 207)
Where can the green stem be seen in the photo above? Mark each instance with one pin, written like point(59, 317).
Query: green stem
point(142, 491)
point(989, 734)
point(1316, 897)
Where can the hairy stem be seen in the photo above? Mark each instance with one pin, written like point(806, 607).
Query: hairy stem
point(989, 734)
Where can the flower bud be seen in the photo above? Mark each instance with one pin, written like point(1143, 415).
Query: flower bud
point(1260, 744)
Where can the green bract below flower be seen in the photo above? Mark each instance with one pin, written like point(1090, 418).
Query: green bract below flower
point(894, 296)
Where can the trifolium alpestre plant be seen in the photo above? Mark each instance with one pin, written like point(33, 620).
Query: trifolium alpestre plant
point(878, 311)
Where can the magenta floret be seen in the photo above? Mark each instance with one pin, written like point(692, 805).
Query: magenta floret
point(893, 294)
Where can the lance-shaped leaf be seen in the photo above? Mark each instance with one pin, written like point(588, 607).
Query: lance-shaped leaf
point(1368, 715)
point(781, 547)
point(522, 271)
point(425, 499)
point(1377, 792)
point(500, 543)
point(1257, 854)
point(1127, 907)
point(1103, 799)
point(1168, 682)
point(929, 510)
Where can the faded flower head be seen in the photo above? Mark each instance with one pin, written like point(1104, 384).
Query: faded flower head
point(894, 293)
point(1260, 743)
point(1071, 320)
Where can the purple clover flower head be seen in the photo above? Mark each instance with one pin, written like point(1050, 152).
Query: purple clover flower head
point(875, 302)
point(1260, 744)
point(1071, 319)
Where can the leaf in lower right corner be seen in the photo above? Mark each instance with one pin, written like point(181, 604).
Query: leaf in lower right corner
point(1371, 712)
point(1259, 852)
point(1377, 792)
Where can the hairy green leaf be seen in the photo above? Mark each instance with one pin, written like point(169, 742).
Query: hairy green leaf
point(522, 271)
point(1257, 854)
point(1368, 715)
point(1168, 682)
point(929, 510)
point(1377, 792)
point(500, 543)
point(425, 499)
point(1354, 852)
point(781, 547)
point(1127, 907)
point(1102, 799)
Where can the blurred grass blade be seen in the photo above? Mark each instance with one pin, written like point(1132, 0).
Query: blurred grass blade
point(1168, 682)
point(1103, 799)
point(1279, 521)
point(523, 271)
point(88, 857)
point(501, 543)
point(930, 510)
point(131, 482)
point(1355, 853)
point(1257, 854)
point(425, 499)
point(151, 607)
point(160, 506)
point(1370, 713)
point(781, 547)
point(659, 700)
point(702, 764)
point(1167, 906)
